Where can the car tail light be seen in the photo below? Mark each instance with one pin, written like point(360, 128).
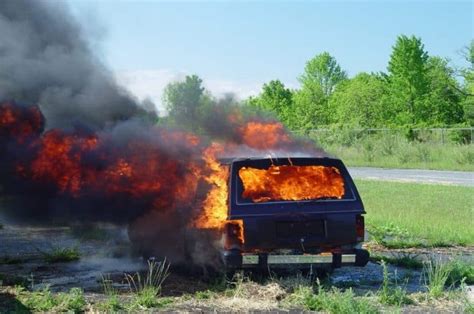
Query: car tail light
point(234, 234)
point(360, 228)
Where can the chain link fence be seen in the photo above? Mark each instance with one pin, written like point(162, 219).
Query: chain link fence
point(347, 136)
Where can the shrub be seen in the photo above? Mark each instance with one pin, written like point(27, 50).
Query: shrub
point(58, 255)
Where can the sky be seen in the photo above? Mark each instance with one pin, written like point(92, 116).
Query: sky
point(237, 46)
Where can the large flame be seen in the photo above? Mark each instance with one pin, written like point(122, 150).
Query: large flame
point(157, 168)
point(291, 183)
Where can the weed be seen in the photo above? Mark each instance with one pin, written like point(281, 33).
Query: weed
point(113, 302)
point(393, 237)
point(405, 260)
point(460, 272)
point(148, 288)
point(72, 301)
point(465, 155)
point(392, 295)
point(331, 301)
point(43, 300)
point(436, 274)
point(59, 255)
point(40, 300)
point(204, 295)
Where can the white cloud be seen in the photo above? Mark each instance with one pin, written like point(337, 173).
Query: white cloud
point(151, 83)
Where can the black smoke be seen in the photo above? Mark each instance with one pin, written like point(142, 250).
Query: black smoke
point(45, 59)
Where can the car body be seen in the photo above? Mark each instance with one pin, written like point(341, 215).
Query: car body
point(263, 233)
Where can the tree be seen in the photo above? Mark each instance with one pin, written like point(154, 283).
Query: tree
point(408, 79)
point(321, 76)
point(360, 101)
point(468, 90)
point(183, 99)
point(443, 101)
point(323, 72)
point(275, 97)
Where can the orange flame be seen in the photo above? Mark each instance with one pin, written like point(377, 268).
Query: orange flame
point(264, 135)
point(286, 183)
point(214, 212)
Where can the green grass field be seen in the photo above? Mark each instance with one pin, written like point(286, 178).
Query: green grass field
point(409, 155)
point(419, 214)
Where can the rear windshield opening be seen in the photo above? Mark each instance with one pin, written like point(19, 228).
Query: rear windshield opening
point(277, 183)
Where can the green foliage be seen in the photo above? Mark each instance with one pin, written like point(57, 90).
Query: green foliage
point(60, 255)
point(275, 97)
point(112, 302)
point(360, 101)
point(330, 301)
point(418, 90)
point(403, 260)
point(436, 274)
point(408, 79)
point(391, 149)
point(147, 289)
point(45, 301)
point(460, 272)
point(185, 102)
point(322, 72)
point(443, 101)
point(389, 294)
point(320, 77)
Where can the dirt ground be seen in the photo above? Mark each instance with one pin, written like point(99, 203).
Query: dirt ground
point(22, 255)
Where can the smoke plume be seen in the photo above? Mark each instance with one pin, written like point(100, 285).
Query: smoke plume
point(75, 147)
point(45, 60)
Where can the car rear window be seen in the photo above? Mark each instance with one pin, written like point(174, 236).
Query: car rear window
point(277, 183)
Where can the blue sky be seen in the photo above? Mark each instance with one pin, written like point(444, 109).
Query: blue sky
point(239, 45)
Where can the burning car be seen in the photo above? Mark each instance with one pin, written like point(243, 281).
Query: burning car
point(300, 211)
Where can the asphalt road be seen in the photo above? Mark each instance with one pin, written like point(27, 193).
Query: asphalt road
point(463, 178)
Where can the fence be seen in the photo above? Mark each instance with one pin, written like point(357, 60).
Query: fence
point(427, 135)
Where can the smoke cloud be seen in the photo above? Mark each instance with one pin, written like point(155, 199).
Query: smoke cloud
point(84, 151)
point(45, 60)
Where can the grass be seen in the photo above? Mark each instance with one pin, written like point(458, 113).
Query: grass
point(439, 275)
point(392, 294)
point(112, 303)
point(403, 260)
point(436, 274)
point(45, 301)
point(412, 215)
point(329, 301)
point(61, 255)
point(147, 289)
point(395, 151)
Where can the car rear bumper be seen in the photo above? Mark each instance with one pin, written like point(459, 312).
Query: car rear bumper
point(234, 259)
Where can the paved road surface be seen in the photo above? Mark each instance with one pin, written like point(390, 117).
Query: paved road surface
point(414, 175)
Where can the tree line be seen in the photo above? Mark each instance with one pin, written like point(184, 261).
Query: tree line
point(418, 90)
